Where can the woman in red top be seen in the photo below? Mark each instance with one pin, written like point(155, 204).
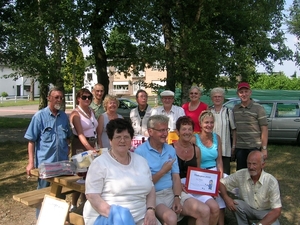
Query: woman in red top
point(194, 108)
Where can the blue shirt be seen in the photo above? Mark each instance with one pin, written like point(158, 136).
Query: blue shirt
point(156, 160)
point(209, 155)
point(50, 134)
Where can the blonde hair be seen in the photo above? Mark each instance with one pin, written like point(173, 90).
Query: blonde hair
point(109, 98)
point(204, 114)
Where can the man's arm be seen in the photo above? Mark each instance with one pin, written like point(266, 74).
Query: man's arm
point(30, 165)
point(165, 168)
point(177, 207)
point(264, 140)
point(271, 217)
point(230, 203)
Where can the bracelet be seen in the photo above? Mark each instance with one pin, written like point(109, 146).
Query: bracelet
point(151, 208)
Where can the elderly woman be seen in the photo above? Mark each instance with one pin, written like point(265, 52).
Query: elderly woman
point(110, 104)
point(189, 154)
point(224, 126)
point(194, 107)
point(120, 177)
point(211, 152)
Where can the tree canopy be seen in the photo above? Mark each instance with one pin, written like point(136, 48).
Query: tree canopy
point(196, 42)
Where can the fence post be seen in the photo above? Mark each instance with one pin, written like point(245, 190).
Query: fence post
point(15, 98)
point(1, 99)
point(28, 98)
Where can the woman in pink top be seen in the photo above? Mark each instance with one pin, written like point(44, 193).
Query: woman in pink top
point(84, 125)
point(194, 108)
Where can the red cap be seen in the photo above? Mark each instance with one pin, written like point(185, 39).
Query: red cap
point(243, 85)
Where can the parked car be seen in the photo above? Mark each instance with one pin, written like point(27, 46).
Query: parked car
point(125, 106)
point(283, 118)
point(231, 102)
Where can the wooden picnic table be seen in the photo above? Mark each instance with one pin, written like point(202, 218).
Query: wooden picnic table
point(57, 183)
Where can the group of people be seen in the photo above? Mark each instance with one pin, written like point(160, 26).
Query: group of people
point(150, 183)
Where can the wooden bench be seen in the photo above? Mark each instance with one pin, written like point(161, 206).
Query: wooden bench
point(35, 198)
point(75, 218)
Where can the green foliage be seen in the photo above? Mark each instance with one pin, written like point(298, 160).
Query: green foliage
point(4, 94)
point(294, 26)
point(74, 67)
point(275, 82)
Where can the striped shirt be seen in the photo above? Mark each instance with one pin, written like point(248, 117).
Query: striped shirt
point(248, 121)
point(262, 195)
point(173, 115)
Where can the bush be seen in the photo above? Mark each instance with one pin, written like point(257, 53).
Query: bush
point(4, 94)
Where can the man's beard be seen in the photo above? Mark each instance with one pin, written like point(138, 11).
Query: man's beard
point(57, 106)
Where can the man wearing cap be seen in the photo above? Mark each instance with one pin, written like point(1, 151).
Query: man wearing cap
point(173, 112)
point(251, 126)
point(96, 105)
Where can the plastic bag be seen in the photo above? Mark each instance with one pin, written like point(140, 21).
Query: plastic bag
point(47, 170)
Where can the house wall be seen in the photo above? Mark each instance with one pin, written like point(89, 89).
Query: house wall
point(120, 85)
point(15, 87)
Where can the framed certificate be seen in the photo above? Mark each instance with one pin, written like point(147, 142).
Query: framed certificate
point(200, 181)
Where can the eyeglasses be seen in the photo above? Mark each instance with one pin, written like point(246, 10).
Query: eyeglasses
point(119, 138)
point(161, 130)
point(194, 93)
point(85, 97)
point(58, 97)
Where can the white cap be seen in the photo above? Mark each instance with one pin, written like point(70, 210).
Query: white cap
point(167, 93)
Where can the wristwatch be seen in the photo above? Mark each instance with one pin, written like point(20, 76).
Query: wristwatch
point(264, 148)
point(177, 196)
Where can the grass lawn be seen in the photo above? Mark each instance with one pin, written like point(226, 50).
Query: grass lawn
point(18, 103)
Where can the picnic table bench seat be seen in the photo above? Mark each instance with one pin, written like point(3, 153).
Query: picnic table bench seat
point(35, 198)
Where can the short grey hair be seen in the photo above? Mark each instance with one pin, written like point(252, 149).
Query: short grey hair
point(196, 87)
point(217, 90)
point(155, 119)
point(55, 89)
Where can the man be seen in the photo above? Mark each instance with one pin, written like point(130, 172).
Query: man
point(140, 115)
point(171, 111)
point(96, 105)
point(48, 135)
point(171, 202)
point(258, 192)
point(251, 126)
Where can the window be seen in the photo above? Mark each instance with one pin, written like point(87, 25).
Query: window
point(89, 76)
point(287, 110)
point(27, 88)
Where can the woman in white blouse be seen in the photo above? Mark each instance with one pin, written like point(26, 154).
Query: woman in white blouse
point(224, 126)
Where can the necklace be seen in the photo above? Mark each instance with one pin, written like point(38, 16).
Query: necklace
point(186, 148)
point(113, 155)
point(83, 112)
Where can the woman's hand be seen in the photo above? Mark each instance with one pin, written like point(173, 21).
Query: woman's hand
point(150, 218)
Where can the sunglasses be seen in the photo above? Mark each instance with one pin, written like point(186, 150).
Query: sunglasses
point(85, 97)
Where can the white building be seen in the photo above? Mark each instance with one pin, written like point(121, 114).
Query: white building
point(15, 86)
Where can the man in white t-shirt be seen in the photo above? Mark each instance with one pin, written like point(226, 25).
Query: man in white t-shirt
point(173, 112)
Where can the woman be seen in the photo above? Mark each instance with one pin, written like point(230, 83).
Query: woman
point(211, 152)
point(110, 104)
point(194, 108)
point(188, 154)
point(224, 126)
point(84, 124)
point(115, 178)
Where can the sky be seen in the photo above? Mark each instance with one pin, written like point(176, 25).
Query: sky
point(288, 67)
